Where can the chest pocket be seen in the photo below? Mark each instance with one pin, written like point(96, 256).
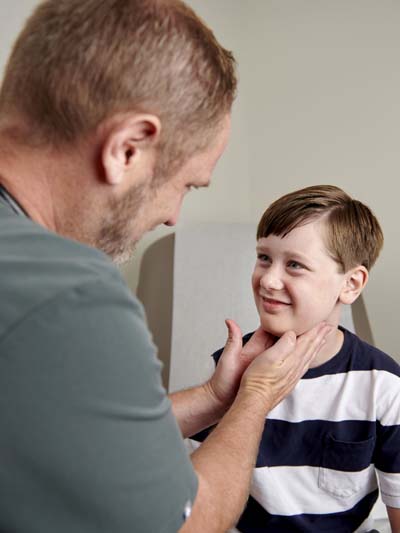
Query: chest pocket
point(344, 466)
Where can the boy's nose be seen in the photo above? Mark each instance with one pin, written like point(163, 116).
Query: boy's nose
point(271, 280)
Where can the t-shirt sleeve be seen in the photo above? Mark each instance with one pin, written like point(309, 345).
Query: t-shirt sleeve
point(387, 451)
point(91, 442)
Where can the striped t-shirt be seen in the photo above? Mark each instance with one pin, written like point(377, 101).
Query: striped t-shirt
point(327, 445)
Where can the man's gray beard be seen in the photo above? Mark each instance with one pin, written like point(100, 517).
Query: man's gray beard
point(125, 256)
point(116, 235)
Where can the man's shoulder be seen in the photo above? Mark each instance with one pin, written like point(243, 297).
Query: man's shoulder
point(38, 266)
point(36, 256)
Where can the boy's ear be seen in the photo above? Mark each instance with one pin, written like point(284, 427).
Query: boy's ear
point(128, 146)
point(354, 282)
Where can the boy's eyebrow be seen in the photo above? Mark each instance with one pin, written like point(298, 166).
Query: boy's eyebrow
point(289, 254)
point(298, 255)
point(261, 247)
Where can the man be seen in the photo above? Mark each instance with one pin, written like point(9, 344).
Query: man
point(109, 113)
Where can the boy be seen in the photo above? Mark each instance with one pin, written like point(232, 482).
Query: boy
point(327, 443)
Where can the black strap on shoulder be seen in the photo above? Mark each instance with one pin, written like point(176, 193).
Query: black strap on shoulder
point(12, 202)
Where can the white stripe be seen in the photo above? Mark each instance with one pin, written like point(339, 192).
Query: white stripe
point(308, 489)
point(356, 395)
point(191, 445)
point(390, 488)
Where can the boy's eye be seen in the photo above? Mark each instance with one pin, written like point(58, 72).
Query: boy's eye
point(295, 265)
point(263, 257)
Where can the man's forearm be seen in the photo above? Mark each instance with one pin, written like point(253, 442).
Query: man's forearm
point(224, 465)
point(196, 409)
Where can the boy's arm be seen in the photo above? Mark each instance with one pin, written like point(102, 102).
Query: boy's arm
point(394, 519)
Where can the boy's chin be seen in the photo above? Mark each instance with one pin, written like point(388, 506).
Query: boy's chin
point(277, 331)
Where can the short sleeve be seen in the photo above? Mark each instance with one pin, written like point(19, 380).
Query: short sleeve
point(387, 451)
point(90, 443)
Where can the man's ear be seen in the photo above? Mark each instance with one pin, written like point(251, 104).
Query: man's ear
point(128, 145)
point(354, 282)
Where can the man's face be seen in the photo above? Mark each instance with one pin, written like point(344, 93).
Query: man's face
point(296, 283)
point(145, 207)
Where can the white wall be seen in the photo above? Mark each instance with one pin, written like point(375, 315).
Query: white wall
point(318, 103)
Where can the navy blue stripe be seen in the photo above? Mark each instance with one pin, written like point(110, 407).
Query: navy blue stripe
point(202, 435)
point(255, 519)
point(346, 445)
point(386, 456)
point(355, 354)
point(216, 355)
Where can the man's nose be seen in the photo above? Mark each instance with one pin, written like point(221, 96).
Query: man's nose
point(172, 221)
point(173, 218)
point(272, 280)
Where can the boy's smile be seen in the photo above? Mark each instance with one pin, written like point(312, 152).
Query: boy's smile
point(272, 305)
point(296, 283)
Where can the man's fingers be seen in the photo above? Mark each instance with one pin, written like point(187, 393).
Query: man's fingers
point(308, 346)
point(312, 341)
point(283, 348)
point(277, 371)
point(258, 343)
point(302, 351)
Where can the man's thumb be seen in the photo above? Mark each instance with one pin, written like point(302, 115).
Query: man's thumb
point(234, 340)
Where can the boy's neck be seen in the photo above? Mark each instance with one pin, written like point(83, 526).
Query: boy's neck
point(333, 344)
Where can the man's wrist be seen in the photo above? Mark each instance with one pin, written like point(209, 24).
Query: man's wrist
point(197, 408)
point(261, 403)
point(216, 406)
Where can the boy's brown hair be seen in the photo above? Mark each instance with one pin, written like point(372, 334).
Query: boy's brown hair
point(77, 62)
point(353, 235)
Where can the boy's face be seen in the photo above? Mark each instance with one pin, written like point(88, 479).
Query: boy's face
point(296, 283)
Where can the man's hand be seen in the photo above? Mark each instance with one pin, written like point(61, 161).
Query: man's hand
point(275, 373)
point(224, 383)
point(258, 368)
